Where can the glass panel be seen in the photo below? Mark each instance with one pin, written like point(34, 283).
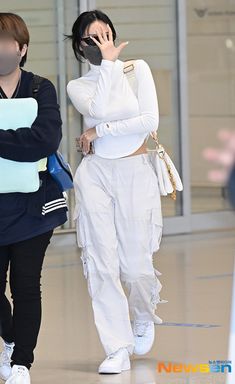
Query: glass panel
point(211, 64)
point(40, 18)
point(150, 27)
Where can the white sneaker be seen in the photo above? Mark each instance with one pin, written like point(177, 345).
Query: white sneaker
point(116, 362)
point(144, 336)
point(5, 361)
point(19, 375)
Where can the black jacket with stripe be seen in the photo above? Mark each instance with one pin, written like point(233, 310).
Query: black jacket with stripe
point(24, 215)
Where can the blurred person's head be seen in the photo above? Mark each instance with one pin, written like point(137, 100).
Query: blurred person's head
point(14, 41)
point(87, 25)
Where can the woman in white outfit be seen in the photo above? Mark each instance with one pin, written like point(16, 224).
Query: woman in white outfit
point(118, 207)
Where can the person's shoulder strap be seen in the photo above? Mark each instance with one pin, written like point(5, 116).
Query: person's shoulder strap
point(35, 86)
point(129, 66)
point(129, 71)
point(36, 82)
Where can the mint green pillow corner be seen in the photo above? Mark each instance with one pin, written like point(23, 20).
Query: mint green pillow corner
point(18, 176)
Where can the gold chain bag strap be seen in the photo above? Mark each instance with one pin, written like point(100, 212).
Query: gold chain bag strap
point(168, 178)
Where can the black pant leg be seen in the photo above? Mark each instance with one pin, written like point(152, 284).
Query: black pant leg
point(6, 329)
point(25, 275)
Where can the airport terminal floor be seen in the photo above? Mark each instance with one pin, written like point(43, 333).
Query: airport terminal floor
point(197, 282)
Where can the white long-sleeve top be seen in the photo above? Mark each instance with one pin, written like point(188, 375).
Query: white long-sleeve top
point(105, 98)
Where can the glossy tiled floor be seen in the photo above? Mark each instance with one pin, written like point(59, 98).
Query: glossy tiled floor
point(197, 273)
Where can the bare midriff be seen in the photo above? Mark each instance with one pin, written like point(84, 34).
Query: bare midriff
point(139, 151)
point(142, 149)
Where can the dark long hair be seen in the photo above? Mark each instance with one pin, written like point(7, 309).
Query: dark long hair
point(80, 25)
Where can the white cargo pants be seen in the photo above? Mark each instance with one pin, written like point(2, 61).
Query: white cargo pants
point(119, 226)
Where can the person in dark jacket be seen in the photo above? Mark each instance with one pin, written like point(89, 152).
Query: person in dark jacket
point(27, 220)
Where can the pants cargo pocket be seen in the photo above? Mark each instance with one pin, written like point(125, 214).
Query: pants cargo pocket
point(156, 226)
point(82, 239)
point(87, 253)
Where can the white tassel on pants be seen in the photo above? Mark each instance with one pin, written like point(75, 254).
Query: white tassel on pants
point(119, 226)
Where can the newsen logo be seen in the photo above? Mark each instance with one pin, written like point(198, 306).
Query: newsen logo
point(215, 366)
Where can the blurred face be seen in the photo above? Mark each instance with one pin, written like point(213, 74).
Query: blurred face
point(10, 55)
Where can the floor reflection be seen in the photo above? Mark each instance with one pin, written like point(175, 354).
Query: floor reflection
point(197, 277)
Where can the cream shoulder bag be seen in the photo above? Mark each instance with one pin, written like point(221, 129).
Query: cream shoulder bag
point(168, 178)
